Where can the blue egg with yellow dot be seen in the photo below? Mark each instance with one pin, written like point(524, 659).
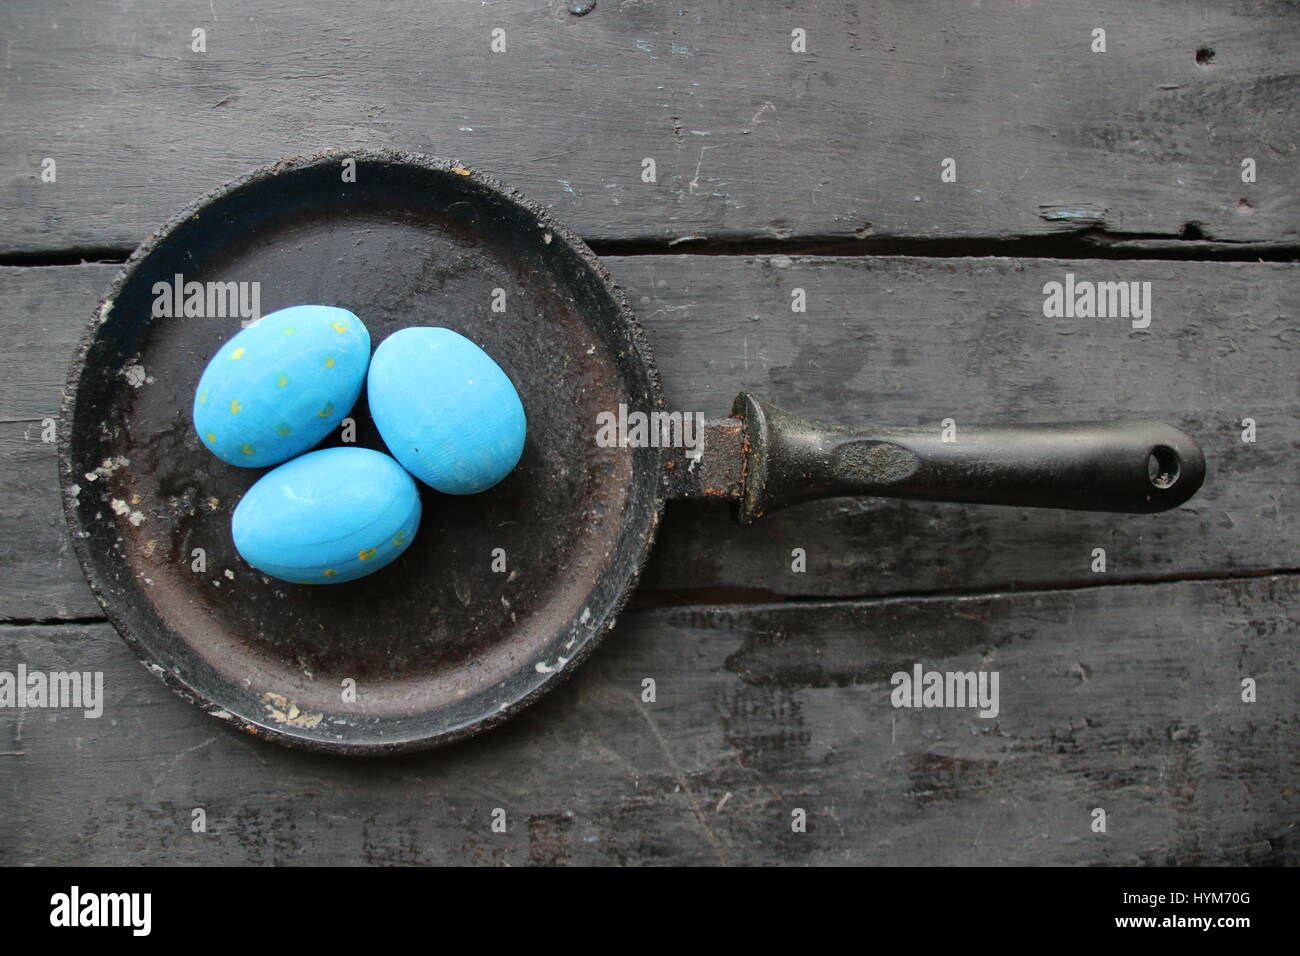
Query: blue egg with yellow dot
point(278, 387)
point(327, 517)
point(445, 409)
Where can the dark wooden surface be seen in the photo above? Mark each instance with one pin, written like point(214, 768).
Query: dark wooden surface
point(749, 138)
point(761, 710)
point(1119, 690)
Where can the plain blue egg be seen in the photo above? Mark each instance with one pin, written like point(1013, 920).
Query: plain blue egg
point(447, 412)
point(281, 385)
point(327, 517)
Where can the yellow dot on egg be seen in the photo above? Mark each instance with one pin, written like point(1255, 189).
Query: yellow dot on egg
point(237, 354)
point(365, 554)
point(235, 407)
point(282, 429)
point(327, 411)
point(246, 448)
point(399, 539)
point(203, 396)
point(340, 327)
point(287, 330)
point(282, 380)
point(329, 361)
point(212, 439)
point(329, 572)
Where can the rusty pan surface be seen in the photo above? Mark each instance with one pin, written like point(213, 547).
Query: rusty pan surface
point(439, 645)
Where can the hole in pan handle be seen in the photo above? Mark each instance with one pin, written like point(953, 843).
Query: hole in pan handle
point(1133, 467)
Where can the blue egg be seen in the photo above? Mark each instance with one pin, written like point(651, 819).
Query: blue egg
point(329, 516)
point(446, 410)
point(281, 385)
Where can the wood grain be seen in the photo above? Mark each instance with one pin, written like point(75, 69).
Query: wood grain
point(749, 138)
point(1124, 698)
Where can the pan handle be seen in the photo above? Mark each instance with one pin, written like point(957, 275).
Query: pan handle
point(1135, 467)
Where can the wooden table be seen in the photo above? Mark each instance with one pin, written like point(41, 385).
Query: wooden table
point(775, 169)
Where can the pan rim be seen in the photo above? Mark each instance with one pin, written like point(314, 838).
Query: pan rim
point(646, 529)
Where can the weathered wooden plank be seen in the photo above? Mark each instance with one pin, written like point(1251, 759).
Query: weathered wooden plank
point(40, 577)
point(42, 314)
point(748, 137)
point(1125, 698)
point(907, 341)
point(897, 341)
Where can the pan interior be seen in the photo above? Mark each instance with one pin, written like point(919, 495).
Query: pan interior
point(499, 593)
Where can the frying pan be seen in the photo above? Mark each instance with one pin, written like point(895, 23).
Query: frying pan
point(445, 643)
